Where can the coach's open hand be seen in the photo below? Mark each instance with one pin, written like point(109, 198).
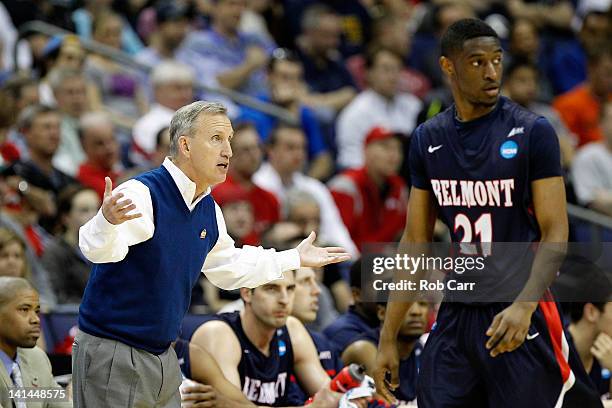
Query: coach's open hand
point(387, 362)
point(115, 211)
point(314, 256)
point(509, 327)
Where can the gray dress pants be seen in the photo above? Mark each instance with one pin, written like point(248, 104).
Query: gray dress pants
point(108, 373)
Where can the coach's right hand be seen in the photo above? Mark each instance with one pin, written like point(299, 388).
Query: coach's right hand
point(387, 361)
point(115, 211)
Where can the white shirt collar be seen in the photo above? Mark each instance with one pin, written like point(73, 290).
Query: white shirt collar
point(184, 184)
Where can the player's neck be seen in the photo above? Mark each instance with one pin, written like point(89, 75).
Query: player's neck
point(467, 111)
point(257, 332)
point(405, 345)
point(583, 339)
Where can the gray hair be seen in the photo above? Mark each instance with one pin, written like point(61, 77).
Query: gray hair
point(9, 286)
point(58, 76)
point(183, 121)
point(171, 71)
point(29, 114)
point(296, 197)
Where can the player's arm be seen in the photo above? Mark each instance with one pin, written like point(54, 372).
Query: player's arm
point(218, 339)
point(509, 327)
point(306, 363)
point(205, 369)
point(361, 352)
point(419, 229)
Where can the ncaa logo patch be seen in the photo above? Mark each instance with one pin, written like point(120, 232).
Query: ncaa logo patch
point(508, 149)
point(282, 348)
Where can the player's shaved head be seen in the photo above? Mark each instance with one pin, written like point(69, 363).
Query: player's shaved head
point(9, 286)
point(461, 31)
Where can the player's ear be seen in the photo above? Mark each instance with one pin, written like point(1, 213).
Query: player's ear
point(245, 294)
point(447, 66)
point(356, 292)
point(590, 312)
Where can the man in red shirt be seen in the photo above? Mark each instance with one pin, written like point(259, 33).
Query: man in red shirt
point(245, 162)
point(372, 199)
point(102, 152)
point(580, 108)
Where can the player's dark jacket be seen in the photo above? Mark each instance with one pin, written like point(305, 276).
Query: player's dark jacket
point(181, 348)
point(346, 328)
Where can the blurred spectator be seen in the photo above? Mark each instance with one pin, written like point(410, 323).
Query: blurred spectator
point(380, 105)
point(23, 90)
point(591, 331)
point(391, 32)
point(286, 89)
point(253, 21)
point(8, 151)
point(426, 53)
point(244, 163)
point(525, 45)
point(40, 125)
point(101, 150)
point(238, 214)
point(521, 82)
point(173, 88)
point(60, 52)
point(567, 66)
point(557, 14)
point(120, 90)
point(67, 267)
point(372, 199)
point(85, 21)
point(286, 155)
point(232, 59)
point(580, 107)
point(70, 91)
point(330, 83)
point(168, 40)
point(304, 211)
point(592, 169)
point(359, 319)
point(13, 261)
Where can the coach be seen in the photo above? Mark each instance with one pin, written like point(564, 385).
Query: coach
point(149, 242)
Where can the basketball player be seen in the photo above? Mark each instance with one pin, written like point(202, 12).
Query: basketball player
point(487, 354)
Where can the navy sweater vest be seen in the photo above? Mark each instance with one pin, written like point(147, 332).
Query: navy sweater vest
point(141, 300)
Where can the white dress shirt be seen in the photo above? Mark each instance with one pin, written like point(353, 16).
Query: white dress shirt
point(332, 230)
point(367, 110)
point(225, 266)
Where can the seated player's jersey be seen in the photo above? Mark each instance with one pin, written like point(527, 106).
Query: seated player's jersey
point(181, 348)
point(480, 174)
point(330, 362)
point(343, 331)
point(600, 377)
point(408, 368)
point(264, 379)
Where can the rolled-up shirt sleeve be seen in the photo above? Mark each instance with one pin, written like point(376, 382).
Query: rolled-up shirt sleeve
point(229, 267)
point(102, 242)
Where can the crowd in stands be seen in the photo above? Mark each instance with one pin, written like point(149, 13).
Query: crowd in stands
point(358, 76)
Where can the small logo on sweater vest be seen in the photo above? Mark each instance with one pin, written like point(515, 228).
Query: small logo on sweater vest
point(203, 234)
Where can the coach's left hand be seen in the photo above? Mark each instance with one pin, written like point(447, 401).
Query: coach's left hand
point(510, 327)
point(313, 256)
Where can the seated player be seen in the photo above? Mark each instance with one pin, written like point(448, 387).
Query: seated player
point(260, 348)
point(359, 319)
point(305, 308)
point(363, 350)
point(591, 330)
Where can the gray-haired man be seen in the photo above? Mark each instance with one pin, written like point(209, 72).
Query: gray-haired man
point(149, 242)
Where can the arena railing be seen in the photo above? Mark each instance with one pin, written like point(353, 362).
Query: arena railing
point(599, 226)
point(125, 59)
